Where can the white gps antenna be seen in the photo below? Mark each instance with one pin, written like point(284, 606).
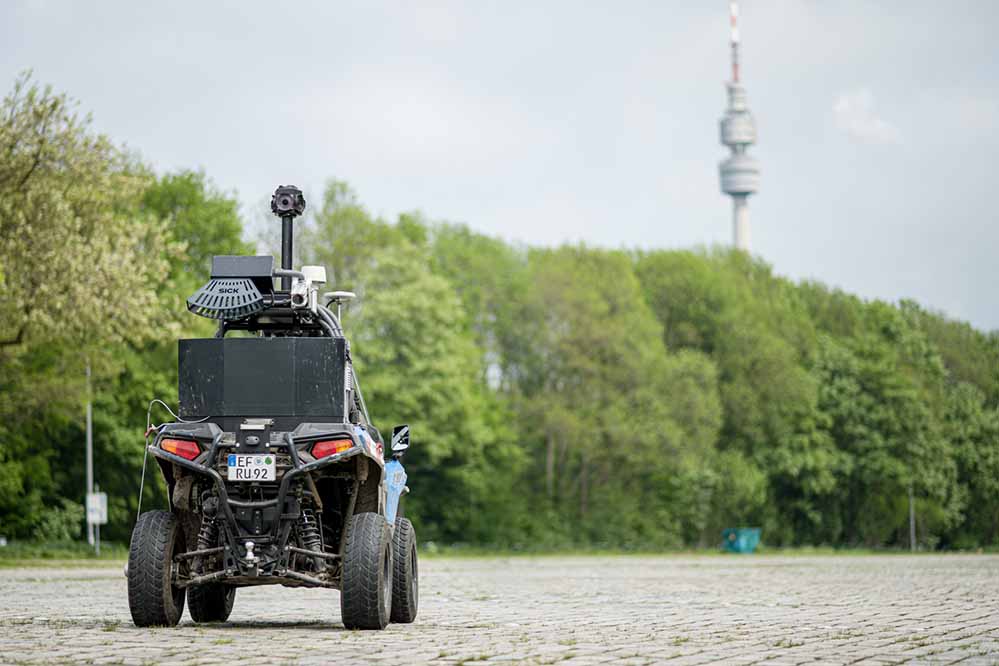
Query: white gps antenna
point(338, 297)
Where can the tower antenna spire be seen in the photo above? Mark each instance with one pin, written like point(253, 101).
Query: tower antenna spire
point(740, 173)
point(733, 12)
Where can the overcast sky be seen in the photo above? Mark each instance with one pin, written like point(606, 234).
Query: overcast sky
point(545, 122)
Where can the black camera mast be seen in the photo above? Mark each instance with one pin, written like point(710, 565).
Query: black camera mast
point(287, 203)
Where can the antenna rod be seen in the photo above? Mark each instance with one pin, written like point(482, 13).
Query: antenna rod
point(733, 8)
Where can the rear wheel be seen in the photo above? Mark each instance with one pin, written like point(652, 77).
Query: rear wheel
point(152, 598)
point(366, 588)
point(210, 603)
point(405, 573)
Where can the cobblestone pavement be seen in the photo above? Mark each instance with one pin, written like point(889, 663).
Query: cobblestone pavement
point(580, 610)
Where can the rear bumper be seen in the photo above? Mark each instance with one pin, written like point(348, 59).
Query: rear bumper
point(267, 562)
point(227, 504)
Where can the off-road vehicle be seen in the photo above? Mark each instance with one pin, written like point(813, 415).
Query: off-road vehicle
point(274, 470)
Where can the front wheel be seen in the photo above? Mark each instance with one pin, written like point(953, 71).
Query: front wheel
point(366, 587)
point(405, 573)
point(152, 598)
point(211, 603)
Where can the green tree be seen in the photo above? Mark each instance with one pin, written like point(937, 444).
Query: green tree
point(342, 236)
point(418, 363)
point(81, 263)
point(973, 429)
point(611, 409)
point(493, 281)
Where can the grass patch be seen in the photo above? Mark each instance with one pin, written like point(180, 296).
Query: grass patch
point(78, 554)
point(40, 553)
point(432, 550)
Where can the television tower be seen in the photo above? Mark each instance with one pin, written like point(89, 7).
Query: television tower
point(740, 173)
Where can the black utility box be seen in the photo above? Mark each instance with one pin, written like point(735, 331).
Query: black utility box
point(262, 377)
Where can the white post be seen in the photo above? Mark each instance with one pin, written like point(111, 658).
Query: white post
point(90, 456)
point(97, 532)
point(912, 521)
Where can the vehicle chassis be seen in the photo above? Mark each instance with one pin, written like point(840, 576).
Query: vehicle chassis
point(354, 467)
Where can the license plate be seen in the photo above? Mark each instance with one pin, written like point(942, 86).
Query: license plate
point(251, 467)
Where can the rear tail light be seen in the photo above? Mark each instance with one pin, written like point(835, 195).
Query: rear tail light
point(330, 447)
point(181, 447)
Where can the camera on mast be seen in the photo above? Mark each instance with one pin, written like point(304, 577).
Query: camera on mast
point(287, 203)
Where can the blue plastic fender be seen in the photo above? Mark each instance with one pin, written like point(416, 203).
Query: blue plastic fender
point(395, 482)
point(374, 449)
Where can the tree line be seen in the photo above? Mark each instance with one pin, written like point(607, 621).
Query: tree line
point(560, 397)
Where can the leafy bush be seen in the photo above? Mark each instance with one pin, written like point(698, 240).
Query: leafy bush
point(61, 522)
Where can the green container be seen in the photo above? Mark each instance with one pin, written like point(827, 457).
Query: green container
point(740, 539)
